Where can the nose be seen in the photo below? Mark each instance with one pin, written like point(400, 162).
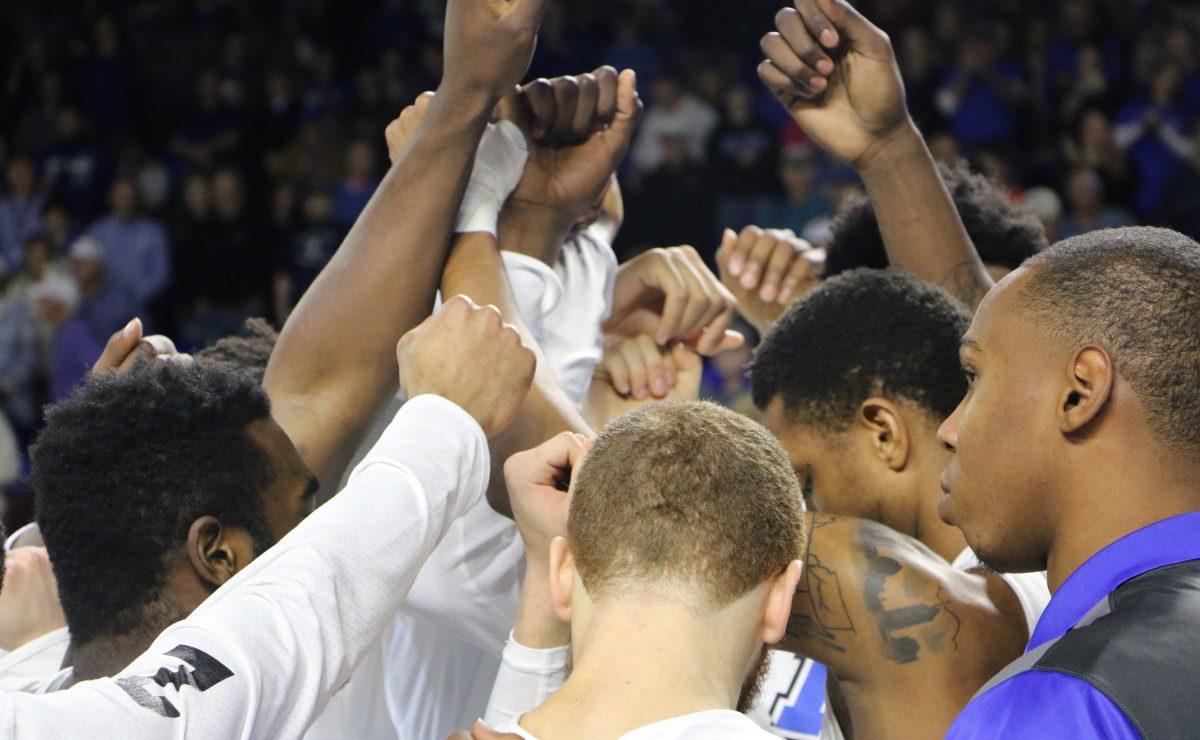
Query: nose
point(948, 432)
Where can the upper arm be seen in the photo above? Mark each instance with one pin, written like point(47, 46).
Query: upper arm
point(877, 606)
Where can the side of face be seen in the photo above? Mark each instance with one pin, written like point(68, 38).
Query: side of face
point(1004, 436)
point(861, 471)
point(218, 551)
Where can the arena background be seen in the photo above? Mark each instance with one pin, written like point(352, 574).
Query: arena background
point(234, 142)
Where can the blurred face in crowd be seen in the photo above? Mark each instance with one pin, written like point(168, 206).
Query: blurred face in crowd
point(1094, 130)
point(1085, 191)
point(70, 126)
point(360, 160)
point(87, 271)
point(318, 208)
point(196, 196)
point(227, 194)
point(675, 150)
point(1003, 441)
point(123, 199)
point(799, 175)
point(915, 55)
point(37, 255)
point(739, 104)
point(1164, 87)
point(20, 177)
point(667, 91)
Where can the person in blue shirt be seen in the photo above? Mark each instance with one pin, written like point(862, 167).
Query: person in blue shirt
point(1075, 449)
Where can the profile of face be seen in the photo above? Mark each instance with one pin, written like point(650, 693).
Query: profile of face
point(855, 471)
point(1005, 434)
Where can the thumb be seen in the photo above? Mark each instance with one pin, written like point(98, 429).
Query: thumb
point(728, 241)
point(730, 340)
point(119, 346)
point(629, 108)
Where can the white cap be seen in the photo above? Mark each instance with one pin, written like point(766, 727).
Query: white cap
point(87, 248)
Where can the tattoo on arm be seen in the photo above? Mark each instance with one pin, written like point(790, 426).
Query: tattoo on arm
point(964, 283)
point(934, 623)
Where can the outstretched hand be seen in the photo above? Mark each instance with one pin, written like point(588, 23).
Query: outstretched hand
point(836, 74)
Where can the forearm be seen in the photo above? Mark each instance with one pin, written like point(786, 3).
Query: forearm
point(475, 269)
point(335, 359)
point(921, 228)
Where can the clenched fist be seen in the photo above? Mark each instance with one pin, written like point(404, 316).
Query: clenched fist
point(489, 43)
point(538, 482)
point(836, 74)
point(29, 605)
point(468, 355)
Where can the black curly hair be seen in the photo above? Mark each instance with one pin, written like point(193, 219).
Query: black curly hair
point(248, 351)
point(122, 469)
point(863, 333)
point(1002, 233)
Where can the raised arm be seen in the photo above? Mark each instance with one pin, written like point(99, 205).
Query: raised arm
point(836, 74)
point(892, 620)
point(333, 366)
point(262, 655)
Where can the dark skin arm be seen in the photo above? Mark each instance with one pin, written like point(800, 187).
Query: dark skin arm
point(836, 74)
point(907, 638)
point(334, 365)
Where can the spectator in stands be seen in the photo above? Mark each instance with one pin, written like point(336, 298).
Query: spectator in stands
point(1087, 208)
point(75, 170)
point(1154, 133)
point(20, 211)
point(18, 355)
point(982, 91)
point(673, 111)
point(802, 200)
point(135, 247)
point(675, 200)
point(1091, 145)
point(105, 305)
point(50, 291)
point(308, 252)
point(207, 135)
point(742, 157)
point(357, 184)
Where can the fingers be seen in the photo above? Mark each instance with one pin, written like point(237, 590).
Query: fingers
point(643, 366)
point(629, 105)
point(779, 83)
point(400, 132)
point(119, 347)
point(606, 97)
point(566, 96)
point(757, 256)
point(782, 257)
point(540, 97)
point(848, 23)
point(802, 276)
point(818, 26)
point(584, 119)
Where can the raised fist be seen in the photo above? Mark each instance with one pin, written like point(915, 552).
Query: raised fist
point(580, 128)
point(538, 482)
point(468, 355)
point(488, 44)
point(767, 269)
point(836, 74)
point(29, 605)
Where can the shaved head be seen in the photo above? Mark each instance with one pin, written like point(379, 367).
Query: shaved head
point(1134, 292)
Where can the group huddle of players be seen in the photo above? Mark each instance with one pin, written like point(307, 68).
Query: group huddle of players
point(470, 479)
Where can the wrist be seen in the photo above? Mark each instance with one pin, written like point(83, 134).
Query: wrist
point(463, 100)
point(533, 229)
point(892, 149)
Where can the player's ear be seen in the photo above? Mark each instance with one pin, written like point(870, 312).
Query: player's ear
point(562, 578)
point(888, 432)
point(217, 552)
point(778, 607)
point(1089, 385)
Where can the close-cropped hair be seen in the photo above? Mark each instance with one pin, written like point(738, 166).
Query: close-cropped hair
point(685, 494)
point(1135, 292)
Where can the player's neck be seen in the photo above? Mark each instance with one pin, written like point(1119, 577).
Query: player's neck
point(640, 662)
point(1107, 500)
point(107, 655)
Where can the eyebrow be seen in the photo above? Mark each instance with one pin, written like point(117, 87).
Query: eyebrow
point(968, 343)
point(311, 489)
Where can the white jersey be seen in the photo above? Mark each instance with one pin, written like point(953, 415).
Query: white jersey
point(28, 667)
point(793, 702)
point(439, 661)
point(714, 724)
point(260, 657)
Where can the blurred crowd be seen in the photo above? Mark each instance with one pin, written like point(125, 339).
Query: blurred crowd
point(196, 162)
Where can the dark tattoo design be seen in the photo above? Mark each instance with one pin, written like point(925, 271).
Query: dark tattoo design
point(902, 648)
point(821, 591)
point(963, 282)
